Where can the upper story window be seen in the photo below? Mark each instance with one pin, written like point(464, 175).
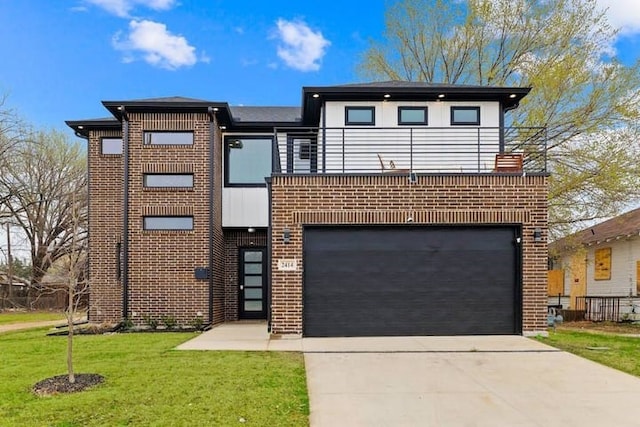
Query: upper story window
point(413, 116)
point(173, 180)
point(168, 223)
point(248, 160)
point(359, 115)
point(168, 138)
point(465, 116)
point(111, 145)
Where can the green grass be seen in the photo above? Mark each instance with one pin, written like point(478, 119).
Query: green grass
point(623, 353)
point(149, 384)
point(8, 317)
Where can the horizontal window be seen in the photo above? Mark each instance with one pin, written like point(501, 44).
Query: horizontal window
point(412, 116)
point(360, 115)
point(168, 223)
point(248, 160)
point(159, 180)
point(111, 145)
point(465, 116)
point(168, 138)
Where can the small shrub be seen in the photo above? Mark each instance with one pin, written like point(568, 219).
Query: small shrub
point(169, 321)
point(197, 323)
point(150, 321)
point(126, 323)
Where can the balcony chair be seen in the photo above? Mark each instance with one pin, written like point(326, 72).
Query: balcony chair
point(390, 167)
point(508, 163)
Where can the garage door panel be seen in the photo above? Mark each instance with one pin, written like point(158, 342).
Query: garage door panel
point(409, 281)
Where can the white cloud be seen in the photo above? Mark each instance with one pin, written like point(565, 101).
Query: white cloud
point(623, 14)
point(123, 8)
point(156, 46)
point(300, 47)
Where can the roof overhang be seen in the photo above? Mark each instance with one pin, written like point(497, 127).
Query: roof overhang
point(314, 96)
point(221, 109)
point(82, 127)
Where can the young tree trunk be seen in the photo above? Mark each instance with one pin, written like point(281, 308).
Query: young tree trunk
point(70, 313)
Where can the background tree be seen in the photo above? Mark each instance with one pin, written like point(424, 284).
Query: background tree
point(585, 97)
point(46, 183)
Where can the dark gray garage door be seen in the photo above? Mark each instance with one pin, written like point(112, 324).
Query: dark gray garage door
point(384, 281)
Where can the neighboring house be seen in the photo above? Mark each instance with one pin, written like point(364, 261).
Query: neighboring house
point(601, 262)
point(372, 209)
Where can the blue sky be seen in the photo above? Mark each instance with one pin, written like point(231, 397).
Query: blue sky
point(62, 57)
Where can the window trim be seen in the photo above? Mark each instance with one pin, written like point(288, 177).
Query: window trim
point(151, 144)
point(361, 108)
point(173, 187)
point(413, 108)
point(227, 150)
point(464, 108)
point(102, 153)
point(144, 223)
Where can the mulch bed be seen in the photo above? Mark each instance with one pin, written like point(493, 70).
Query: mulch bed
point(60, 384)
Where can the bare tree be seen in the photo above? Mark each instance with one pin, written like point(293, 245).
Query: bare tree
point(45, 184)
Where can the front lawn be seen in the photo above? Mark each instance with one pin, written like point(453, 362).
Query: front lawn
point(8, 317)
point(149, 383)
point(619, 352)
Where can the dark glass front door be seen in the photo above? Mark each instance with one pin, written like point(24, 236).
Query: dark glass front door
point(253, 283)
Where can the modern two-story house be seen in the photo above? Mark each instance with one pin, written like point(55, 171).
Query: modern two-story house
point(389, 208)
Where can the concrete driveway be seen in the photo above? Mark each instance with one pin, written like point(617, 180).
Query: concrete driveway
point(491, 381)
point(462, 381)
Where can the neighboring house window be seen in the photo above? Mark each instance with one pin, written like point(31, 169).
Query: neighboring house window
point(168, 223)
point(465, 116)
point(168, 138)
point(111, 145)
point(174, 180)
point(360, 115)
point(248, 160)
point(602, 265)
point(413, 116)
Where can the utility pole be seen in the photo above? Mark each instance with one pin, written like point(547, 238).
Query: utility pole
point(9, 263)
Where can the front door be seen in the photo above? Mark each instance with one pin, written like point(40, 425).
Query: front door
point(253, 283)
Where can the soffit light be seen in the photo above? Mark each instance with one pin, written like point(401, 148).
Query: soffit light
point(316, 95)
point(513, 95)
point(441, 95)
point(387, 96)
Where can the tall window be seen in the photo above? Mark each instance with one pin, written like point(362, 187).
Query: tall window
point(248, 160)
point(111, 145)
point(412, 116)
point(168, 138)
point(359, 115)
point(170, 180)
point(465, 116)
point(168, 223)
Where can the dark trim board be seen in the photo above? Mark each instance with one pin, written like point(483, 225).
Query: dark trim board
point(412, 280)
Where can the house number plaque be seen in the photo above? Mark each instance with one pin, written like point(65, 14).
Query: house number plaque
point(287, 264)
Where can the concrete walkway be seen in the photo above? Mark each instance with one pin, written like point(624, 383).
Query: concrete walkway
point(475, 381)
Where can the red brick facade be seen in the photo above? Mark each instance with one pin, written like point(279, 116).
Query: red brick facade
point(161, 263)
point(105, 229)
point(384, 199)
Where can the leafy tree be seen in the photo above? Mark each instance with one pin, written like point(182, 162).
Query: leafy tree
point(582, 94)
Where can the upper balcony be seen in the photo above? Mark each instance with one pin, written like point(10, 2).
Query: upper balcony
point(421, 150)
